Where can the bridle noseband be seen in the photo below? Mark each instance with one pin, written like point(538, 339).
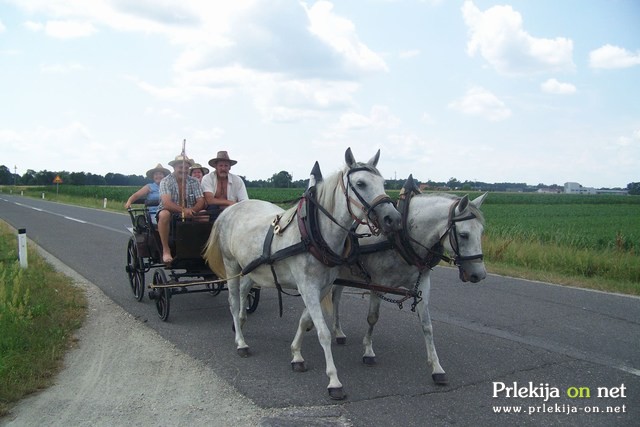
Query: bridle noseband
point(362, 203)
point(435, 254)
point(453, 238)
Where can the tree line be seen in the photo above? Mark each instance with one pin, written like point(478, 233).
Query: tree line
point(282, 179)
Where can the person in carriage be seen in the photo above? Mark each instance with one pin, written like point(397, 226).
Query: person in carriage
point(150, 192)
point(173, 201)
point(221, 188)
point(198, 171)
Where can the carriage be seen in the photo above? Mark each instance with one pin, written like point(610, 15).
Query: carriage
point(187, 273)
point(256, 242)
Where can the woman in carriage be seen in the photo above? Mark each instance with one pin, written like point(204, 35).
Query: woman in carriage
point(150, 193)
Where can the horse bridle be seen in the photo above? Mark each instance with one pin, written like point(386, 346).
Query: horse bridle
point(362, 203)
point(453, 236)
point(436, 251)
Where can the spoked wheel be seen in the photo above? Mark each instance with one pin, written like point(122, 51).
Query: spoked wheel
point(162, 295)
point(252, 300)
point(215, 288)
point(135, 270)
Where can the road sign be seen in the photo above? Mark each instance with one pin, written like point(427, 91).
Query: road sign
point(57, 180)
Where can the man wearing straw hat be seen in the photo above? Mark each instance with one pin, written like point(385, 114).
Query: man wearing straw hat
point(174, 200)
point(220, 187)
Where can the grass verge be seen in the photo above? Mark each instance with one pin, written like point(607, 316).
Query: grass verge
point(40, 309)
point(608, 270)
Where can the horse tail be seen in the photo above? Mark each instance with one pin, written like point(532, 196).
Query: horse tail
point(327, 306)
point(213, 255)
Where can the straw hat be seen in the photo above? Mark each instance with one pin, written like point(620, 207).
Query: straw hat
point(222, 155)
point(179, 159)
point(199, 166)
point(158, 168)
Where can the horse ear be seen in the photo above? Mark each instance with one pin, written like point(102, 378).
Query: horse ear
point(464, 202)
point(348, 158)
point(316, 175)
point(477, 202)
point(374, 159)
point(410, 185)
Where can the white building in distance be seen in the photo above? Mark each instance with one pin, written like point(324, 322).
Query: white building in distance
point(576, 188)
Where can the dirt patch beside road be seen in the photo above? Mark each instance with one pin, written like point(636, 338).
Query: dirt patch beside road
point(123, 373)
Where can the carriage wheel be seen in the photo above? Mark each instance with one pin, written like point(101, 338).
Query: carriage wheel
point(252, 300)
point(163, 295)
point(215, 288)
point(135, 271)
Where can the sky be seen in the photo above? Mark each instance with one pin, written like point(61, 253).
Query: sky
point(533, 91)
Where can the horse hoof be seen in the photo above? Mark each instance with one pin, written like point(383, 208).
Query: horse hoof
point(341, 340)
point(369, 360)
point(440, 379)
point(337, 393)
point(298, 367)
point(243, 352)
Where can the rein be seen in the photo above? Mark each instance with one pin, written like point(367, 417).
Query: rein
point(435, 254)
point(402, 242)
point(311, 239)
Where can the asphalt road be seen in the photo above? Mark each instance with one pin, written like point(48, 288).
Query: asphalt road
point(557, 343)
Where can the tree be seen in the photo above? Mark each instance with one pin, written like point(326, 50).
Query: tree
point(453, 183)
point(282, 179)
point(6, 177)
point(634, 188)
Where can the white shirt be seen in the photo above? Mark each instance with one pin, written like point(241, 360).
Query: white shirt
point(236, 191)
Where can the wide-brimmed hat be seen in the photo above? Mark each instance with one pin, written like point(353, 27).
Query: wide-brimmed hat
point(179, 159)
point(222, 155)
point(158, 168)
point(199, 166)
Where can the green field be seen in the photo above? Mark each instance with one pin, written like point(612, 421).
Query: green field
point(591, 241)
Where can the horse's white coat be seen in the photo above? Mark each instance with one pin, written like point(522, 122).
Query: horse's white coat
point(427, 222)
point(239, 234)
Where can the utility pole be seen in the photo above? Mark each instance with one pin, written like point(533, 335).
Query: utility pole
point(15, 174)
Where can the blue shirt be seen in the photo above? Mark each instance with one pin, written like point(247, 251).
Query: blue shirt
point(153, 196)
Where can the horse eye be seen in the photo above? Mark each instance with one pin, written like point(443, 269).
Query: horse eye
point(464, 235)
point(361, 184)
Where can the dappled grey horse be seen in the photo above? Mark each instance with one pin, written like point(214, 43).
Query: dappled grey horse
point(258, 242)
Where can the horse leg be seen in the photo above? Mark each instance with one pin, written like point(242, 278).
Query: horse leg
point(341, 338)
point(312, 299)
point(437, 373)
point(245, 287)
point(235, 303)
point(305, 323)
point(369, 357)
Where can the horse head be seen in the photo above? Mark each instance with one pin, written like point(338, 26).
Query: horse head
point(465, 238)
point(371, 203)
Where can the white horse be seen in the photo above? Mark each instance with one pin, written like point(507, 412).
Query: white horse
point(432, 223)
point(302, 247)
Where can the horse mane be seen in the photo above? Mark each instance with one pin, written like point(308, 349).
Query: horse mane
point(472, 208)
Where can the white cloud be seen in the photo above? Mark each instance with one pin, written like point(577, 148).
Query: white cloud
point(380, 117)
point(498, 35)
point(555, 87)
point(482, 103)
point(61, 68)
point(69, 29)
point(34, 26)
point(409, 53)
point(2, 27)
point(610, 57)
point(340, 33)
point(292, 59)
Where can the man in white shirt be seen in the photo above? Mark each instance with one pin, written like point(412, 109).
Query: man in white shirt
point(220, 187)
